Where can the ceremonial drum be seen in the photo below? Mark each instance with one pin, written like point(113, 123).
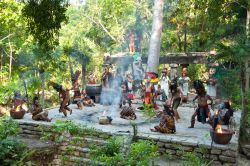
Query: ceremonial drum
point(94, 91)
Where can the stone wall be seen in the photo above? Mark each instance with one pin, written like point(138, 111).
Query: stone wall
point(76, 150)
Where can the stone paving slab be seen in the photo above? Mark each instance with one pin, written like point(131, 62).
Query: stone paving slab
point(89, 116)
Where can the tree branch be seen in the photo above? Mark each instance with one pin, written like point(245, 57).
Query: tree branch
point(7, 36)
point(98, 22)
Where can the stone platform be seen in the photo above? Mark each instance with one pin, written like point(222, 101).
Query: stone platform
point(189, 139)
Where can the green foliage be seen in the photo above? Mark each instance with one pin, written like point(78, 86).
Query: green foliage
point(142, 153)
point(248, 111)
point(197, 71)
point(8, 127)
point(230, 90)
point(66, 126)
point(148, 110)
point(44, 20)
point(12, 151)
point(109, 153)
point(195, 158)
point(139, 153)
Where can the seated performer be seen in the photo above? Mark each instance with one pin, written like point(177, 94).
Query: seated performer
point(37, 111)
point(65, 98)
point(167, 123)
point(128, 113)
point(176, 98)
point(18, 102)
point(85, 100)
point(202, 111)
point(225, 113)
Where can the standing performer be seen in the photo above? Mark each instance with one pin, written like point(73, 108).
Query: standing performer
point(76, 86)
point(64, 96)
point(184, 81)
point(92, 78)
point(212, 83)
point(176, 98)
point(138, 73)
point(164, 81)
point(131, 42)
point(37, 111)
point(107, 77)
point(202, 111)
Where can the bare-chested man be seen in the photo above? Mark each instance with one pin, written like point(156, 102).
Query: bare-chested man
point(37, 111)
point(64, 96)
point(202, 111)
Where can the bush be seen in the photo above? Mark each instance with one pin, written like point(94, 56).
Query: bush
point(11, 150)
point(8, 127)
point(139, 153)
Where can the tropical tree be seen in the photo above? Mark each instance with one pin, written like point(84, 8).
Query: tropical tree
point(155, 39)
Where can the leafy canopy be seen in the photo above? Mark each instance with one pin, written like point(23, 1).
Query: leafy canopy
point(44, 18)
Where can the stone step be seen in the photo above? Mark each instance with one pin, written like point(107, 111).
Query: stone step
point(95, 140)
point(30, 136)
point(72, 160)
point(31, 132)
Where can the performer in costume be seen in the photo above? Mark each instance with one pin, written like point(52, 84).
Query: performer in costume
point(202, 112)
point(164, 82)
point(225, 114)
point(184, 84)
point(92, 78)
point(212, 83)
point(128, 113)
point(37, 111)
point(167, 123)
point(64, 96)
point(175, 97)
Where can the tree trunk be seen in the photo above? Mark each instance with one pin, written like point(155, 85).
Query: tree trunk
point(243, 137)
point(43, 87)
point(1, 65)
point(185, 37)
point(83, 74)
point(155, 40)
point(11, 59)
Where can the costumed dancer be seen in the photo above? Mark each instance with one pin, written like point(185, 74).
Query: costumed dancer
point(131, 42)
point(92, 78)
point(107, 77)
point(224, 114)
point(64, 96)
point(85, 101)
point(76, 86)
point(176, 97)
point(125, 95)
point(164, 82)
point(37, 111)
point(150, 97)
point(212, 83)
point(167, 123)
point(202, 112)
point(184, 82)
point(138, 73)
point(128, 113)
